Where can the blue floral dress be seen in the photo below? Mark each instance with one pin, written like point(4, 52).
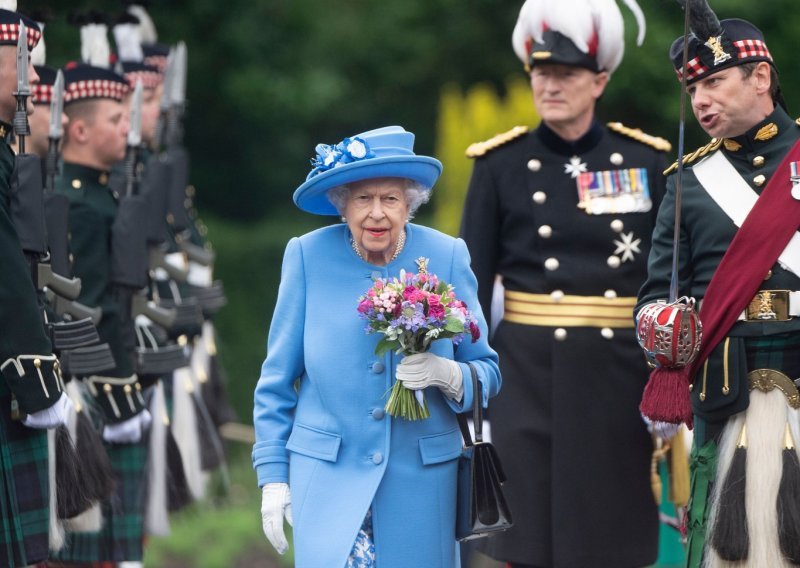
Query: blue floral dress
point(363, 553)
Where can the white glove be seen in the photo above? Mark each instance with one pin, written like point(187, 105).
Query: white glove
point(128, 431)
point(423, 370)
point(276, 503)
point(51, 417)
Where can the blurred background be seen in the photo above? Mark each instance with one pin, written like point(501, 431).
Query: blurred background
point(269, 79)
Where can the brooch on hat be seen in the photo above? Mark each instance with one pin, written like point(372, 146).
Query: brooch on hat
point(347, 151)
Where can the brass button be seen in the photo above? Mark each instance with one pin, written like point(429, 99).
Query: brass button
point(76, 183)
point(138, 386)
point(107, 387)
point(37, 363)
point(103, 179)
point(759, 180)
point(127, 389)
point(534, 165)
point(769, 275)
point(758, 161)
point(616, 159)
point(539, 197)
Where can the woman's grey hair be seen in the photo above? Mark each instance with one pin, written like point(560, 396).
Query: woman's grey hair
point(416, 195)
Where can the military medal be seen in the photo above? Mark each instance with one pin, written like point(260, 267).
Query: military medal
point(795, 177)
point(614, 191)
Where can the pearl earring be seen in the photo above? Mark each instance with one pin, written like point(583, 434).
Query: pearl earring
point(344, 219)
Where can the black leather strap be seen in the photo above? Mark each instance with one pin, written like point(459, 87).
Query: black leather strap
point(477, 412)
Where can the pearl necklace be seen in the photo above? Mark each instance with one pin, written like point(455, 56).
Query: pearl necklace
point(401, 241)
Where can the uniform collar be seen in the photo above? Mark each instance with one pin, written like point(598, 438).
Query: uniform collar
point(84, 174)
point(6, 130)
point(580, 146)
point(760, 135)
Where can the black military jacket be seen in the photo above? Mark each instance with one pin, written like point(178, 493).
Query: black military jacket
point(93, 209)
point(23, 339)
point(522, 210)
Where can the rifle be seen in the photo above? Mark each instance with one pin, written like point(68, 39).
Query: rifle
point(29, 218)
point(130, 263)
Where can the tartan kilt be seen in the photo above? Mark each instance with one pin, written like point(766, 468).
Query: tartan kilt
point(122, 535)
point(24, 489)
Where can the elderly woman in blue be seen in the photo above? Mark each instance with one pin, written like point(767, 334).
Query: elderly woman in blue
point(360, 486)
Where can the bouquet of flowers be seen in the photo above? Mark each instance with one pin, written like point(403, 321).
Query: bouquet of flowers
point(411, 312)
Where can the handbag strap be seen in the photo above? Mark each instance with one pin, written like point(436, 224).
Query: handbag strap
point(477, 412)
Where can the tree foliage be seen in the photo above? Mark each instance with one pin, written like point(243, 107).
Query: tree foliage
point(269, 79)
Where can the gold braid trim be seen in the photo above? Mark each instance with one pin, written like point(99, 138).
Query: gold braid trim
point(656, 142)
point(479, 149)
point(699, 153)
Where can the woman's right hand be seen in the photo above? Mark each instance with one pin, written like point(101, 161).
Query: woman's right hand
point(276, 503)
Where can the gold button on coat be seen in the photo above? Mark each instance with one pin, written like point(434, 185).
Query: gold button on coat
point(759, 180)
point(758, 161)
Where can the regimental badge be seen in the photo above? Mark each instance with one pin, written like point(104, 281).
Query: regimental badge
point(715, 45)
point(795, 177)
point(614, 191)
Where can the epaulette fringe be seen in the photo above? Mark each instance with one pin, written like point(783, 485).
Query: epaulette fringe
point(656, 142)
point(479, 149)
point(699, 153)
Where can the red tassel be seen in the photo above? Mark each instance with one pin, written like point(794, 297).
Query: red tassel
point(666, 396)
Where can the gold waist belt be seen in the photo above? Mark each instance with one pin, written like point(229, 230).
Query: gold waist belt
point(568, 311)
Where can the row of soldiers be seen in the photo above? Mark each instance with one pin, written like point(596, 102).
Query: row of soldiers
point(111, 394)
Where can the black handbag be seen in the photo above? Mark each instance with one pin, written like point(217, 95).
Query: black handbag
point(481, 506)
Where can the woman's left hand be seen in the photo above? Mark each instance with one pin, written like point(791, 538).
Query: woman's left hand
point(422, 370)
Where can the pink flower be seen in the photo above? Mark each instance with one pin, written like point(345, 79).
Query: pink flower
point(364, 306)
point(435, 307)
point(474, 331)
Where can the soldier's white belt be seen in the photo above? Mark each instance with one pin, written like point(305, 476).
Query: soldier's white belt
point(772, 305)
point(568, 310)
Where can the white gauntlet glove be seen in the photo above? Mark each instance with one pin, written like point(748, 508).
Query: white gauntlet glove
point(51, 417)
point(428, 370)
point(129, 431)
point(276, 502)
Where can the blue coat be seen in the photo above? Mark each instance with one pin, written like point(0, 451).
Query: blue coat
point(326, 434)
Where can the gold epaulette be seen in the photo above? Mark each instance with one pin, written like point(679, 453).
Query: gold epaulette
point(699, 153)
point(478, 149)
point(656, 142)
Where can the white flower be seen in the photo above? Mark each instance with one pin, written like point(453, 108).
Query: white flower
point(357, 149)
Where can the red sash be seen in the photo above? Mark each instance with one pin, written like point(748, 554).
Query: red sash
point(764, 234)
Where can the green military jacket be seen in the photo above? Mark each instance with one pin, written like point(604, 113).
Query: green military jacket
point(93, 210)
point(28, 367)
point(720, 388)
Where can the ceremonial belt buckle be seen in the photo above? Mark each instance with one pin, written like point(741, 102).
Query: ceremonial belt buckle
point(769, 305)
point(766, 380)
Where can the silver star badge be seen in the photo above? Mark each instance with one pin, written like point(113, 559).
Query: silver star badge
point(627, 246)
point(575, 167)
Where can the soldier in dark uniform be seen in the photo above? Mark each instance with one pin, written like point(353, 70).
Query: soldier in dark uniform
point(95, 139)
point(31, 395)
point(564, 214)
point(744, 400)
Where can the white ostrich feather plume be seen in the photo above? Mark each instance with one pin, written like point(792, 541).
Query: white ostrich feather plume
point(146, 26)
point(129, 42)
point(578, 20)
point(95, 49)
point(39, 53)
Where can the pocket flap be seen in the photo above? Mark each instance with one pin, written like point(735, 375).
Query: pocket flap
point(314, 443)
point(440, 447)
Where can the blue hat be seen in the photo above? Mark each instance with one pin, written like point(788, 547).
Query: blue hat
point(383, 152)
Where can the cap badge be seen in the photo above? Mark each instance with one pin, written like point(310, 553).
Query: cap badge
point(715, 45)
